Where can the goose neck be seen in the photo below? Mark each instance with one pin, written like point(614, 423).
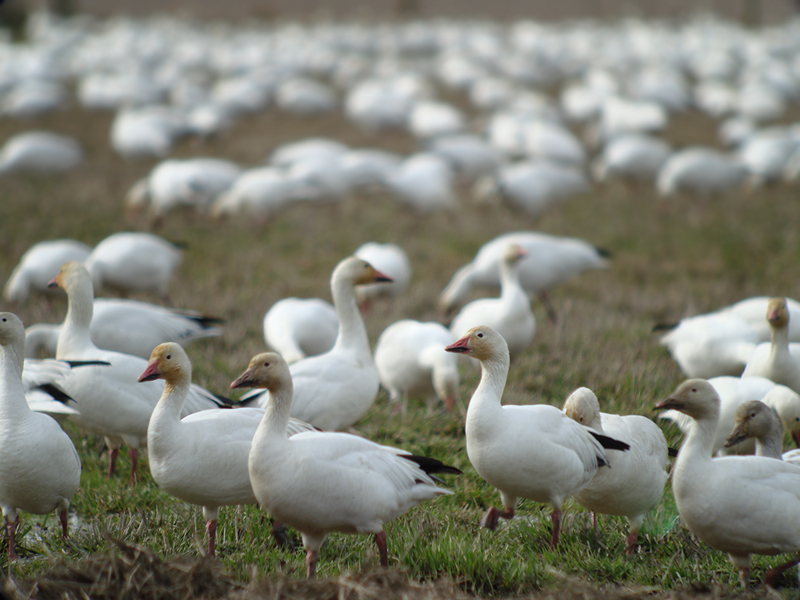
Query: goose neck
point(779, 341)
point(352, 331)
point(488, 395)
point(771, 444)
point(276, 415)
point(12, 394)
point(509, 279)
point(75, 332)
point(699, 443)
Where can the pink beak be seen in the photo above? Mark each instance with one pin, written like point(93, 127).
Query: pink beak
point(53, 283)
point(461, 345)
point(151, 373)
point(382, 278)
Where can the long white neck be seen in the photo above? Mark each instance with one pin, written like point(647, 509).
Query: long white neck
point(167, 413)
point(276, 416)
point(352, 334)
point(771, 444)
point(510, 286)
point(75, 335)
point(779, 348)
point(460, 285)
point(485, 404)
point(699, 443)
point(12, 395)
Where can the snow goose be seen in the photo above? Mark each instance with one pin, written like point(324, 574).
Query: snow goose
point(753, 310)
point(300, 327)
point(200, 458)
point(634, 484)
point(110, 401)
point(741, 505)
point(510, 314)
point(305, 97)
point(470, 155)
point(424, 181)
point(531, 451)
point(776, 360)
point(553, 260)
point(756, 420)
point(39, 152)
point(335, 389)
point(39, 265)
point(134, 262)
point(320, 482)
point(128, 326)
point(700, 171)
point(389, 259)
point(410, 359)
point(636, 157)
point(39, 468)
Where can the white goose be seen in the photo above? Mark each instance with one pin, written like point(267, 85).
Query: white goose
point(301, 327)
point(320, 482)
point(335, 389)
point(200, 458)
point(389, 259)
point(634, 484)
point(134, 262)
point(128, 326)
point(39, 468)
point(39, 152)
point(756, 420)
point(532, 451)
point(741, 505)
point(39, 265)
point(110, 401)
point(777, 360)
point(510, 314)
point(410, 359)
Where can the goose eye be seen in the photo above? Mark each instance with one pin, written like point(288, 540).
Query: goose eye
point(4, 319)
point(752, 415)
point(480, 335)
point(694, 389)
point(169, 356)
point(266, 364)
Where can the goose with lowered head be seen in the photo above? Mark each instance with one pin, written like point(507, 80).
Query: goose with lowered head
point(110, 401)
point(531, 451)
point(334, 390)
point(39, 468)
point(319, 482)
point(39, 265)
point(741, 505)
point(300, 327)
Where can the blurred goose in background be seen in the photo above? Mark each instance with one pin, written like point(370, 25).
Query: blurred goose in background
point(424, 181)
point(699, 171)
point(301, 327)
point(429, 119)
point(108, 398)
point(128, 326)
point(737, 504)
point(304, 96)
point(319, 482)
point(634, 484)
point(39, 467)
point(146, 132)
point(776, 360)
point(553, 142)
point(635, 157)
point(510, 314)
point(470, 156)
point(288, 154)
point(40, 264)
point(552, 260)
point(532, 451)
point(392, 261)
point(753, 310)
point(260, 194)
point(756, 420)
point(39, 152)
point(333, 390)
point(200, 458)
point(134, 262)
point(410, 359)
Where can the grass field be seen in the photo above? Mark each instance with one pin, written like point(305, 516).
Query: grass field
point(670, 260)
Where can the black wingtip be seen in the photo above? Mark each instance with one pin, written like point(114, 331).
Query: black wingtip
point(56, 392)
point(672, 452)
point(603, 252)
point(664, 327)
point(87, 363)
point(431, 465)
point(208, 322)
point(248, 401)
point(610, 443)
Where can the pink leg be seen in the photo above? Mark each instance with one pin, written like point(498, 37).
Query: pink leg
point(311, 563)
point(744, 578)
point(211, 529)
point(633, 543)
point(556, 518)
point(380, 540)
point(279, 534)
point(112, 461)
point(544, 297)
point(63, 516)
point(11, 526)
point(772, 574)
point(594, 522)
point(133, 453)
point(492, 517)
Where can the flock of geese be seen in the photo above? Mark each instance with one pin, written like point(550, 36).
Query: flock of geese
point(119, 369)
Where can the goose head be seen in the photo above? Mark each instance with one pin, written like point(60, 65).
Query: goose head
point(786, 403)
point(582, 406)
point(695, 398)
point(71, 277)
point(12, 333)
point(358, 271)
point(481, 342)
point(267, 370)
point(513, 253)
point(777, 313)
point(169, 362)
point(752, 419)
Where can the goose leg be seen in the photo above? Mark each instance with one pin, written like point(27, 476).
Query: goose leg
point(492, 517)
point(632, 542)
point(279, 534)
point(544, 297)
point(772, 574)
point(133, 453)
point(113, 453)
point(311, 563)
point(11, 526)
point(380, 540)
point(63, 516)
point(744, 578)
point(211, 529)
point(555, 517)
point(594, 523)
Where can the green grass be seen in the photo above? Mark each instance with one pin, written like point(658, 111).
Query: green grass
point(670, 260)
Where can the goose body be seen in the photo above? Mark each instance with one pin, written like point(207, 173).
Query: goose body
point(777, 360)
point(128, 326)
point(321, 482)
point(741, 505)
point(637, 157)
point(532, 451)
point(39, 152)
point(301, 327)
point(756, 420)
point(700, 171)
point(134, 262)
point(39, 265)
point(634, 485)
point(39, 467)
point(411, 359)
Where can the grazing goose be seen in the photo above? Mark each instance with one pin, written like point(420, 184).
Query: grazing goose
point(553, 260)
point(301, 327)
point(335, 389)
point(200, 458)
point(39, 265)
point(128, 326)
point(531, 451)
point(700, 171)
point(741, 505)
point(319, 482)
point(410, 359)
point(777, 360)
point(134, 262)
point(510, 314)
point(39, 152)
point(390, 259)
point(39, 468)
point(634, 484)
point(109, 400)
